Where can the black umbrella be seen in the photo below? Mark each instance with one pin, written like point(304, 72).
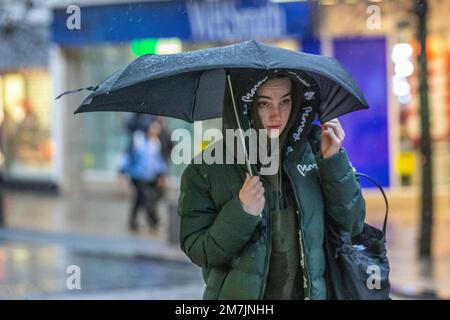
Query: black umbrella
point(191, 85)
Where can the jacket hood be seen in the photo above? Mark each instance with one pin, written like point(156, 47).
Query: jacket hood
point(245, 82)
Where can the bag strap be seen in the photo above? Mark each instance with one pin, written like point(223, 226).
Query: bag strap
point(359, 174)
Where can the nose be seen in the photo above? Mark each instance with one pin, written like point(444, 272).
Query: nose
point(275, 113)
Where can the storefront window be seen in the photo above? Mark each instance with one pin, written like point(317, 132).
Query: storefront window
point(103, 134)
point(438, 83)
point(27, 143)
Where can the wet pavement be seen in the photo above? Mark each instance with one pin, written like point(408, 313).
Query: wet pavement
point(46, 234)
point(29, 271)
point(410, 276)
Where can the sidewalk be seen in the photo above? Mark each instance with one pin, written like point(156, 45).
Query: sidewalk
point(410, 277)
point(46, 234)
point(34, 265)
point(54, 232)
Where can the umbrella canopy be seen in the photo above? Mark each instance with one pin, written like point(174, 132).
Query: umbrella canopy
point(191, 85)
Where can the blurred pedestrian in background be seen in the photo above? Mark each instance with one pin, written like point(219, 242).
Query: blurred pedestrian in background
point(140, 122)
point(145, 166)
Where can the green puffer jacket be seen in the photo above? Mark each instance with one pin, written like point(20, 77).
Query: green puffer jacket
point(233, 247)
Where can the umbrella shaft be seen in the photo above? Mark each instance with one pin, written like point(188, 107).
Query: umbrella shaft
point(241, 135)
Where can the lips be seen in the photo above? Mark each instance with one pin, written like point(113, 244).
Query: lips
point(274, 127)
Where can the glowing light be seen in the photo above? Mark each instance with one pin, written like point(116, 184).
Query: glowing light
point(169, 46)
point(140, 47)
point(401, 88)
point(14, 85)
point(401, 52)
point(404, 99)
point(404, 68)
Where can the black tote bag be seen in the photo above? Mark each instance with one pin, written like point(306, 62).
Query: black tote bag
point(358, 267)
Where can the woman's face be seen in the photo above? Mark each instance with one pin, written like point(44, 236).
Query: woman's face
point(274, 104)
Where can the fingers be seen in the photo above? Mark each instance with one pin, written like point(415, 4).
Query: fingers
point(336, 129)
point(260, 192)
point(253, 186)
point(330, 133)
point(340, 130)
point(251, 195)
point(247, 180)
point(254, 182)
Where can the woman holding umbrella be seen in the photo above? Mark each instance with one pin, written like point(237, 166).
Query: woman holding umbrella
point(262, 236)
point(255, 234)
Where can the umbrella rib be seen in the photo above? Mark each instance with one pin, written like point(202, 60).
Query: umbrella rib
point(262, 54)
point(194, 101)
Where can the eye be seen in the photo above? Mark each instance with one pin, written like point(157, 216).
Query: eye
point(285, 101)
point(263, 104)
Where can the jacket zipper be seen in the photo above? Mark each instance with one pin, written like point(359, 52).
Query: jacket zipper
point(303, 262)
point(269, 237)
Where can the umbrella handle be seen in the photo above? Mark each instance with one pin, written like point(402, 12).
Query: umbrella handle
point(247, 161)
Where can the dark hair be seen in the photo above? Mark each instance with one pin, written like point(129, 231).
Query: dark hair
point(297, 89)
point(275, 76)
